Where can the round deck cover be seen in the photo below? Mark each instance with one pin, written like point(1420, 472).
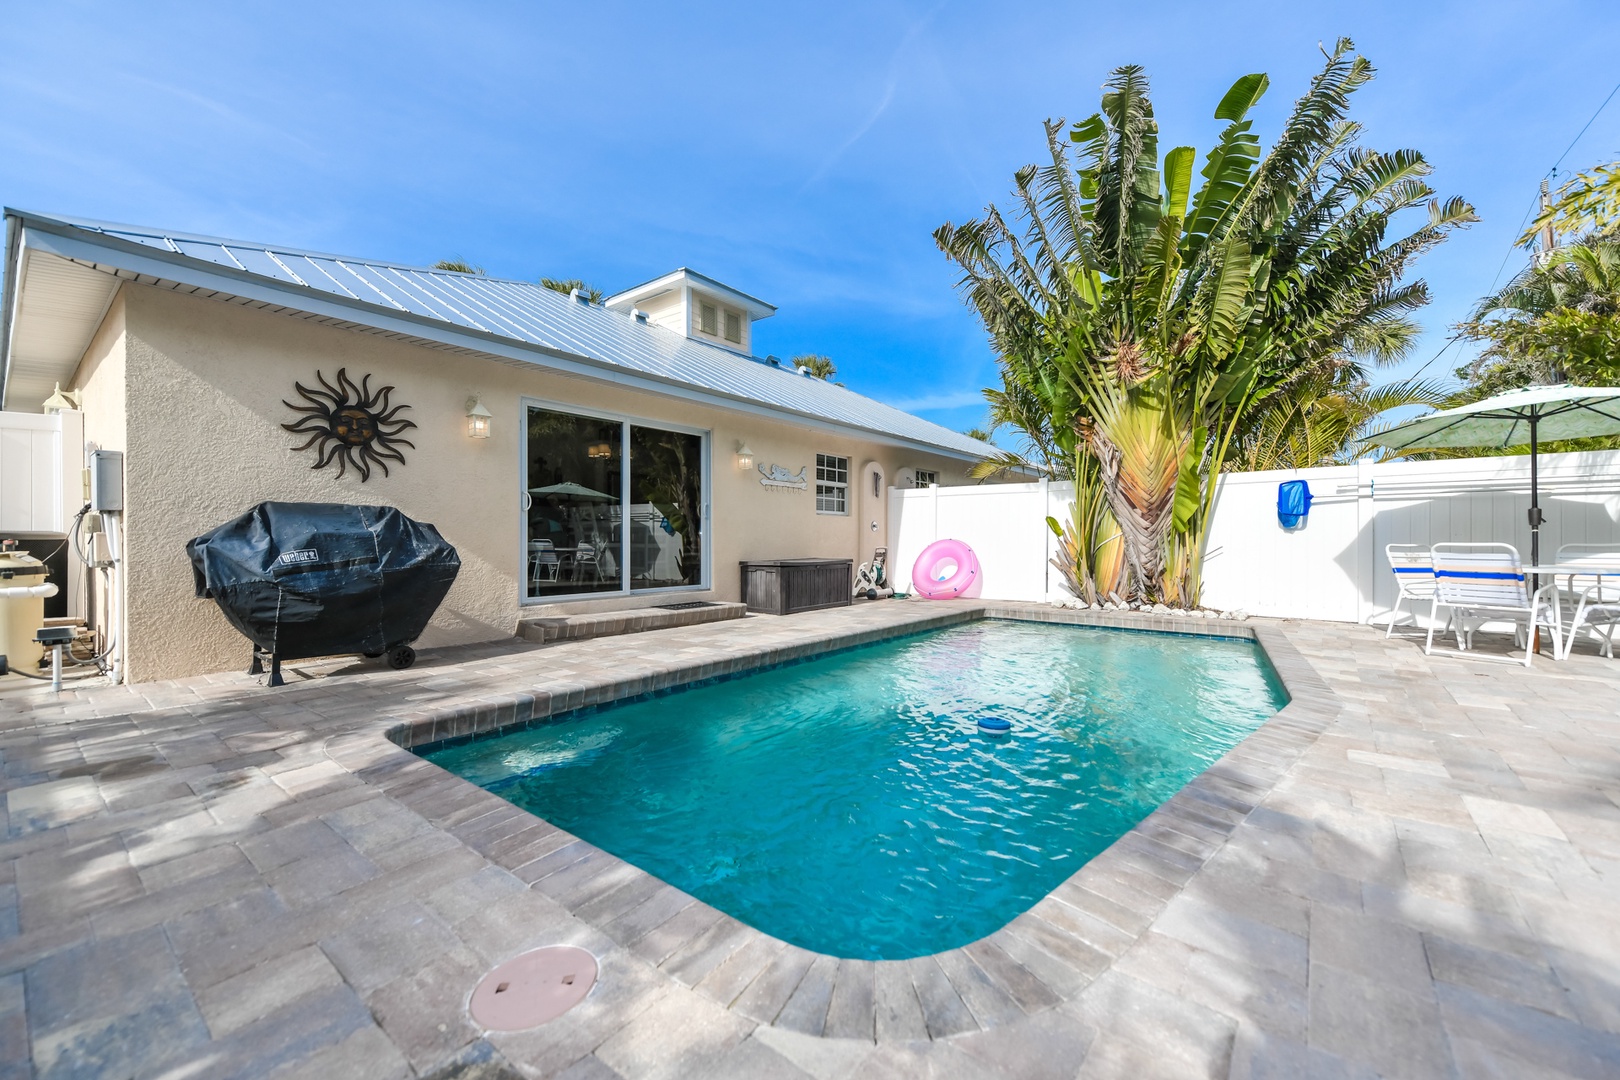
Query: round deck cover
point(531, 989)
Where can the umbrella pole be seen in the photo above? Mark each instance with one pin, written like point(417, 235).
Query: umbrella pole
point(1535, 536)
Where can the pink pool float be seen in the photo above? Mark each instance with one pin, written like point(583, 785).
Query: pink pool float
point(945, 570)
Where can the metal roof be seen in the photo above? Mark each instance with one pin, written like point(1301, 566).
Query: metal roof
point(547, 326)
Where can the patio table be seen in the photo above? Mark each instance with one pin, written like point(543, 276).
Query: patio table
point(1598, 568)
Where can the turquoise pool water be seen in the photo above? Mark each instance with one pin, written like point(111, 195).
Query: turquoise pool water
point(850, 804)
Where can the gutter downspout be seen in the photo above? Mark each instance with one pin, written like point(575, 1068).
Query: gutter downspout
point(11, 271)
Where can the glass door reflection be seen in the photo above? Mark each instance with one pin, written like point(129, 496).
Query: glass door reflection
point(575, 536)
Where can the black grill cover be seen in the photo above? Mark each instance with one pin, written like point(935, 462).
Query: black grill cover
point(318, 579)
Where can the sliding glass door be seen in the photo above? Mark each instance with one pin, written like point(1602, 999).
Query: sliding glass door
point(612, 505)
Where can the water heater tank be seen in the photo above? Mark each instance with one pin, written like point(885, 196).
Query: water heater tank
point(23, 590)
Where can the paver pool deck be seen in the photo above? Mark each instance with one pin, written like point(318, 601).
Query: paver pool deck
point(1411, 871)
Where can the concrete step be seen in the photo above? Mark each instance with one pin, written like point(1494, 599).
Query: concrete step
point(633, 621)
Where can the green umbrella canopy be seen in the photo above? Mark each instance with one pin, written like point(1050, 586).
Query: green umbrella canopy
point(570, 490)
point(1534, 414)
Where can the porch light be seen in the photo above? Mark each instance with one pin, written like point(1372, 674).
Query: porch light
point(599, 450)
point(745, 457)
point(61, 400)
point(478, 419)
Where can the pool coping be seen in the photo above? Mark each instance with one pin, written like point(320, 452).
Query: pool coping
point(1045, 956)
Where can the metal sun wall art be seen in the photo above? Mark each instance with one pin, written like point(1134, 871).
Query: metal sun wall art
point(351, 425)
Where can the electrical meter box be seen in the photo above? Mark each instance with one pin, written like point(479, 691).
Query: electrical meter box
point(106, 481)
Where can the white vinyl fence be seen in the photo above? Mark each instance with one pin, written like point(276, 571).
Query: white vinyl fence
point(1331, 568)
point(40, 484)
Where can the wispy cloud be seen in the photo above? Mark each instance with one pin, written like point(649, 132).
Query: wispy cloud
point(884, 102)
point(931, 402)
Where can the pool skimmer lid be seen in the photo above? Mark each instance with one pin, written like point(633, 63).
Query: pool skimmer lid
point(530, 989)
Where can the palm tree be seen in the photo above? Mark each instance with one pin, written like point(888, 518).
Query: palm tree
point(459, 266)
point(1320, 421)
point(1588, 203)
point(1557, 321)
point(1142, 328)
point(819, 366)
point(568, 285)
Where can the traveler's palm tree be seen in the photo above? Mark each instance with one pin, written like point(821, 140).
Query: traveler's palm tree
point(1143, 326)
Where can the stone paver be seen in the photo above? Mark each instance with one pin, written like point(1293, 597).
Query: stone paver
point(1409, 871)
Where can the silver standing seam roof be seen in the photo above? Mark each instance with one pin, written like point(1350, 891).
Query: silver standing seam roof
point(547, 326)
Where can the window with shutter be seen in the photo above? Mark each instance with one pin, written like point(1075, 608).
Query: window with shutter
point(734, 327)
point(708, 319)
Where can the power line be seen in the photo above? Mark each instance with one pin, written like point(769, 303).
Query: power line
point(1553, 171)
point(1512, 246)
point(1449, 343)
point(1546, 175)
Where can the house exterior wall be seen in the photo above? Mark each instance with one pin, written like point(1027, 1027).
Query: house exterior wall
point(668, 310)
point(102, 377)
point(203, 390)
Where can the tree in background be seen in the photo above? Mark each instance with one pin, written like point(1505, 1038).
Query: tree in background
point(459, 266)
point(1589, 204)
point(568, 285)
point(1318, 422)
point(821, 367)
point(1144, 329)
point(1558, 320)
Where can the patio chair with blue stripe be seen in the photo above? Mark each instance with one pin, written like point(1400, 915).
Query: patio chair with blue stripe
point(1483, 583)
point(1414, 577)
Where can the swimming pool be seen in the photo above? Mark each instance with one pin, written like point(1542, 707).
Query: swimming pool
point(851, 805)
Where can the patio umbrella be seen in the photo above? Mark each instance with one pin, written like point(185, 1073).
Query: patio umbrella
point(570, 490)
point(1534, 414)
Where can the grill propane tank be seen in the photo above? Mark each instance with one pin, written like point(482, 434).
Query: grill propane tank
point(23, 590)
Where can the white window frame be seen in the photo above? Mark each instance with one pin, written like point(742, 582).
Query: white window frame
point(839, 486)
point(625, 421)
point(918, 474)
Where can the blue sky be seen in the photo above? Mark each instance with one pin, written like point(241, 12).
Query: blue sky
point(801, 154)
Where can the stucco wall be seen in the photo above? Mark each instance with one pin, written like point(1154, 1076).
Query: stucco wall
point(205, 383)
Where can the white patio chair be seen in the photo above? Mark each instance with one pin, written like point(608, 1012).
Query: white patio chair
point(1414, 577)
point(1481, 583)
point(1593, 602)
point(543, 562)
point(588, 559)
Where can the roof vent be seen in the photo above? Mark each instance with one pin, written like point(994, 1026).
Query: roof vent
point(638, 315)
point(579, 297)
point(774, 361)
point(805, 372)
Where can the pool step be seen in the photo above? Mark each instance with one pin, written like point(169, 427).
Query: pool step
point(610, 623)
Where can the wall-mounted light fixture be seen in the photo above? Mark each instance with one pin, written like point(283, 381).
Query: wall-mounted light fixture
point(745, 457)
point(478, 419)
point(62, 400)
point(599, 450)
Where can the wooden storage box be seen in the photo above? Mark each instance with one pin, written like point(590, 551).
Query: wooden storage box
point(784, 586)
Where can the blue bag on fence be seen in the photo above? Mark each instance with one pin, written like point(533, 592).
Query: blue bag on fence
point(1293, 503)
